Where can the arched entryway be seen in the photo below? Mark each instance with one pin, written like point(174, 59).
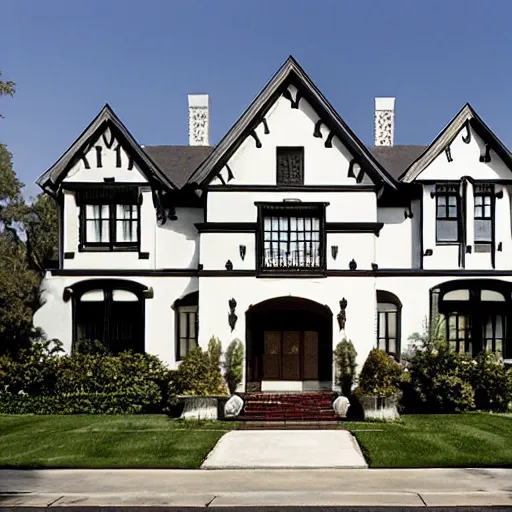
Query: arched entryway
point(289, 345)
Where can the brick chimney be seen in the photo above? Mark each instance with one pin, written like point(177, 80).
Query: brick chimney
point(384, 121)
point(198, 120)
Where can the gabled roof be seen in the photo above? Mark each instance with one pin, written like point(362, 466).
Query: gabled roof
point(178, 163)
point(51, 179)
point(396, 159)
point(290, 72)
point(466, 115)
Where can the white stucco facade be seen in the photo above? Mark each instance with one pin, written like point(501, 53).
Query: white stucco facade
point(211, 245)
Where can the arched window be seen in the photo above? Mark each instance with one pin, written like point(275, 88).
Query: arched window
point(109, 311)
point(472, 315)
point(388, 323)
point(186, 310)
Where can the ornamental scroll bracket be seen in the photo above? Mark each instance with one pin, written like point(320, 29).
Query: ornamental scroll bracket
point(342, 315)
point(232, 318)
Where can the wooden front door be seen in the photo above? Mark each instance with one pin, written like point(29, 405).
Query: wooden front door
point(290, 355)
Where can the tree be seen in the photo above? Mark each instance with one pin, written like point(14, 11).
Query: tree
point(28, 240)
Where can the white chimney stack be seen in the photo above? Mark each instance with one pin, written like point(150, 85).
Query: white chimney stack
point(198, 120)
point(384, 121)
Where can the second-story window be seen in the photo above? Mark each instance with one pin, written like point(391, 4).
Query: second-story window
point(483, 214)
point(291, 237)
point(109, 218)
point(447, 214)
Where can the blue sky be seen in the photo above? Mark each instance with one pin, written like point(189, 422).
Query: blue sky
point(69, 58)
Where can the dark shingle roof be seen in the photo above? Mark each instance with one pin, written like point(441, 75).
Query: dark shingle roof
point(178, 163)
point(396, 159)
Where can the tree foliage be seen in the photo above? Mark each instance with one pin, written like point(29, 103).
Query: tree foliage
point(28, 242)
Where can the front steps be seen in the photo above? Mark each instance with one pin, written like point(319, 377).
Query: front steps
point(314, 407)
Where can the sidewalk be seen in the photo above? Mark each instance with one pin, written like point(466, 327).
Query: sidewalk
point(199, 488)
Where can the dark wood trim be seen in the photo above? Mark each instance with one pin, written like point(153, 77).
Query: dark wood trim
point(69, 255)
point(226, 227)
point(381, 272)
point(469, 178)
point(297, 188)
point(143, 255)
point(354, 227)
point(80, 185)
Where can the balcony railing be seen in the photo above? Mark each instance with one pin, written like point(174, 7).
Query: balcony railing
point(274, 259)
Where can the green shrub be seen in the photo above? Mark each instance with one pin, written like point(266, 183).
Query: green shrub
point(381, 375)
point(134, 382)
point(233, 365)
point(452, 394)
point(199, 374)
point(430, 370)
point(345, 363)
point(93, 347)
point(81, 403)
point(492, 383)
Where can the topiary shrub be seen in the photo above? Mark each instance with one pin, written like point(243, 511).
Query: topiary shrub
point(233, 365)
point(381, 375)
point(199, 374)
point(491, 382)
point(345, 363)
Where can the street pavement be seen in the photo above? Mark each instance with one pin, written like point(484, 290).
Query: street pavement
point(264, 488)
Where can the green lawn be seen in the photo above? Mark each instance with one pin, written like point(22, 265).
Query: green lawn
point(106, 441)
point(463, 440)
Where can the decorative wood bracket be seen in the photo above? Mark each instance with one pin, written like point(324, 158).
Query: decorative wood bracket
point(148, 293)
point(448, 151)
point(467, 138)
point(328, 141)
point(352, 265)
point(500, 247)
point(67, 294)
point(432, 194)
point(360, 176)
point(408, 213)
point(254, 135)
point(499, 194)
point(266, 131)
point(229, 265)
point(351, 173)
point(334, 251)
point(486, 157)
point(230, 173)
point(109, 143)
point(469, 249)
point(342, 315)
point(221, 178)
point(294, 102)
point(69, 255)
point(375, 267)
point(428, 252)
point(99, 163)
point(243, 250)
point(232, 318)
point(317, 133)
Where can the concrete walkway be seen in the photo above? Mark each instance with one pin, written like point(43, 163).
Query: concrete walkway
point(286, 449)
point(198, 488)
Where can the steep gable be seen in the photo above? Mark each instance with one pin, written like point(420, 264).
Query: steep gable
point(465, 147)
point(105, 144)
point(291, 87)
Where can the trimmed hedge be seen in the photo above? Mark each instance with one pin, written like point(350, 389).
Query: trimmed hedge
point(41, 381)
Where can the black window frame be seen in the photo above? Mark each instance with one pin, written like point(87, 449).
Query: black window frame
point(442, 194)
point(111, 197)
point(108, 286)
point(187, 305)
point(384, 297)
point(290, 209)
point(484, 190)
point(285, 153)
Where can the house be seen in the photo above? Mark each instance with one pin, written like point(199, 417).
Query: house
point(288, 234)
